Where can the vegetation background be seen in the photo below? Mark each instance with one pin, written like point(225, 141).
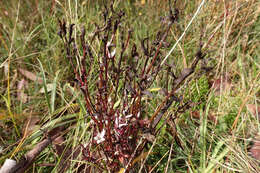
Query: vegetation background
point(221, 134)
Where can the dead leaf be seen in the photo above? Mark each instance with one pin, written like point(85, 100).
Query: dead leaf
point(172, 126)
point(30, 124)
point(218, 84)
point(58, 145)
point(58, 141)
point(20, 91)
point(184, 74)
point(6, 68)
point(30, 75)
point(254, 110)
point(173, 132)
point(22, 84)
point(196, 115)
point(14, 79)
point(49, 88)
point(148, 136)
point(255, 150)
point(23, 97)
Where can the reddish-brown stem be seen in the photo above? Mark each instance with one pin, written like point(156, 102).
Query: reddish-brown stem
point(158, 48)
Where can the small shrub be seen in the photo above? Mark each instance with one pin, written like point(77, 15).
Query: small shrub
point(126, 70)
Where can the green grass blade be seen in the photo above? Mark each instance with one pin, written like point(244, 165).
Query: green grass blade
point(203, 133)
point(45, 87)
point(8, 105)
point(217, 148)
point(53, 92)
point(81, 104)
point(213, 162)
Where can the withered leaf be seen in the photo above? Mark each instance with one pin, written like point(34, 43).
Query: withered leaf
point(30, 75)
point(254, 110)
point(49, 87)
point(149, 137)
point(255, 150)
point(58, 145)
point(30, 124)
point(20, 91)
point(221, 85)
point(196, 115)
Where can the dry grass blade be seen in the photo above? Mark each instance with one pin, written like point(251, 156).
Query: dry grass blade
point(244, 102)
point(169, 158)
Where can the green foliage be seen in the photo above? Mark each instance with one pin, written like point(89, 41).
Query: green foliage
point(159, 152)
point(197, 92)
point(226, 121)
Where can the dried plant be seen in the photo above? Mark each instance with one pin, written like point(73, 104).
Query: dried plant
point(125, 73)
